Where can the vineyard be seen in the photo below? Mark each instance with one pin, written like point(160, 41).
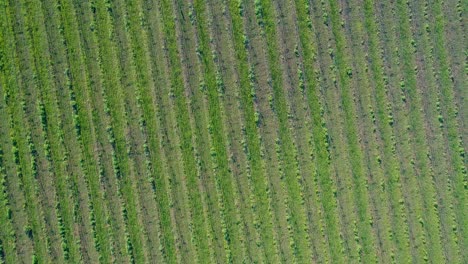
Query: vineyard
point(233, 131)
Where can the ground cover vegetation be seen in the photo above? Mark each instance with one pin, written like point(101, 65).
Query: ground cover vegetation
point(233, 131)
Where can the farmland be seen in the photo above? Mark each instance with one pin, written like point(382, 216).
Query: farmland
point(233, 131)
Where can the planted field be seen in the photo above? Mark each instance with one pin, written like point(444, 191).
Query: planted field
point(233, 131)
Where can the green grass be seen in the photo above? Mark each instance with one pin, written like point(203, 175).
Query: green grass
point(218, 150)
point(457, 151)
point(232, 131)
point(115, 106)
point(259, 180)
point(355, 153)
point(380, 219)
point(83, 124)
point(227, 82)
point(301, 245)
point(107, 200)
point(390, 164)
point(8, 252)
point(319, 134)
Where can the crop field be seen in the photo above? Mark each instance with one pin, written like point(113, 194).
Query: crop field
point(233, 131)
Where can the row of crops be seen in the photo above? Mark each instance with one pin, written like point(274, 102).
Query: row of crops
point(232, 131)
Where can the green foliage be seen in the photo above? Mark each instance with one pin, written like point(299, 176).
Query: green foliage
point(117, 140)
